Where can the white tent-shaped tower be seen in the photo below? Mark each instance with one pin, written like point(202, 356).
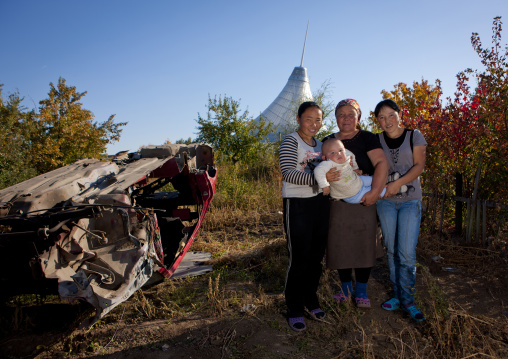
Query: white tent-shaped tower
point(282, 111)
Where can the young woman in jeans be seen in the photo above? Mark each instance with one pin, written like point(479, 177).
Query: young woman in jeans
point(399, 210)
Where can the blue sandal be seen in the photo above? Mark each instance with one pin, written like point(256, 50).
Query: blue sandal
point(414, 312)
point(391, 304)
point(297, 324)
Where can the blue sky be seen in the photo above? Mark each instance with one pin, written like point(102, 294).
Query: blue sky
point(154, 63)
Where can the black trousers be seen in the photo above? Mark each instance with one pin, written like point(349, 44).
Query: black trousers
point(306, 226)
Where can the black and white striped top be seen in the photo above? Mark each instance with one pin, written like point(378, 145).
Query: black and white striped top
point(297, 162)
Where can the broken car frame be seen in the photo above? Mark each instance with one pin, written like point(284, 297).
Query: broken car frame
point(98, 231)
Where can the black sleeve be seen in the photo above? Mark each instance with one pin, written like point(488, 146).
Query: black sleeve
point(371, 141)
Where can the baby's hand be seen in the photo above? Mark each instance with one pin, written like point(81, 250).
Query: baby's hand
point(359, 172)
point(326, 191)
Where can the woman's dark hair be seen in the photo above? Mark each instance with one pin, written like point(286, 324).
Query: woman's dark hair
point(388, 102)
point(306, 105)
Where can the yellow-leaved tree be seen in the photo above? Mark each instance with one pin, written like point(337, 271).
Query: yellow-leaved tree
point(62, 131)
point(422, 101)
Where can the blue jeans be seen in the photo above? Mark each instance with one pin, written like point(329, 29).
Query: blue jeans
point(400, 223)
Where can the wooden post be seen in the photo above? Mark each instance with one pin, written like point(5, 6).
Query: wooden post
point(434, 208)
point(468, 220)
point(473, 201)
point(484, 227)
point(478, 216)
point(442, 214)
point(458, 204)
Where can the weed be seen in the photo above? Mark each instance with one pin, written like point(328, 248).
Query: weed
point(216, 297)
point(68, 345)
point(95, 325)
point(143, 306)
point(275, 324)
point(303, 344)
point(439, 304)
point(94, 345)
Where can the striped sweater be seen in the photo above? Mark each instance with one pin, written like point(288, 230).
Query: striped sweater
point(297, 162)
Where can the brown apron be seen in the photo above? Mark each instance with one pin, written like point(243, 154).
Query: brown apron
point(352, 236)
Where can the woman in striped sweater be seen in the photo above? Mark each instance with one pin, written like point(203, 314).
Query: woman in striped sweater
point(306, 213)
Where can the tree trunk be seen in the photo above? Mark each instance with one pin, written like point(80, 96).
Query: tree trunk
point(458, 204)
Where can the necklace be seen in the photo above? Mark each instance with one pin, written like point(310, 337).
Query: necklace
point(311, 144)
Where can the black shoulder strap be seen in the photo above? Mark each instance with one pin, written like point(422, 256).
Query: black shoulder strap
point(411, 139)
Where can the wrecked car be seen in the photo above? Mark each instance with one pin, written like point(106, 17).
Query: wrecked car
point(99, 230)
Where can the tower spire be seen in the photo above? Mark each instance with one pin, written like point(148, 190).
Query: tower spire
point(304, 43)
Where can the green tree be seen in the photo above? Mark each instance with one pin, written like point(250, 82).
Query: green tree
point(323, 99)
point(232, 134)
point(185, 141)
point(14, 164)
point(181, 141)
point(62, 132)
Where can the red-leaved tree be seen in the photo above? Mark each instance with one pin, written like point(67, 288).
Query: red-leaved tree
point(470, 125)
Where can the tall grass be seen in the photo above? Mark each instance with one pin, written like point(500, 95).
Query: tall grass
point(245, 193)
point(246, 197)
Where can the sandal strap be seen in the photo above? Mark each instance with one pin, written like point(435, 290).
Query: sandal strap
point(362, 302)
point(415, 313)
point(340, 297)
point(297, 320)
point(318, 313)
point(391, 304)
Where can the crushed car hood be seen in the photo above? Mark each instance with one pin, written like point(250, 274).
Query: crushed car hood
point(99, 230)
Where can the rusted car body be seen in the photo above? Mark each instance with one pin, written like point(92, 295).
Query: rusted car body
point(99, 230)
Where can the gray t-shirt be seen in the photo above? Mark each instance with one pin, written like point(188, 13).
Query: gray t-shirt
point(400, 160)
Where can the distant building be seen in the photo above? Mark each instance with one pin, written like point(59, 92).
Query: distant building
point(283, 110)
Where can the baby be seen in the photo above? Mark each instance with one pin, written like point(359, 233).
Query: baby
point(350, 187)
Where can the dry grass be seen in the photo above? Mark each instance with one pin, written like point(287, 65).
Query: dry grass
point(247, 282)
point(243, 232)
point(244, 195)
point(237, 234)
point(217, 298)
